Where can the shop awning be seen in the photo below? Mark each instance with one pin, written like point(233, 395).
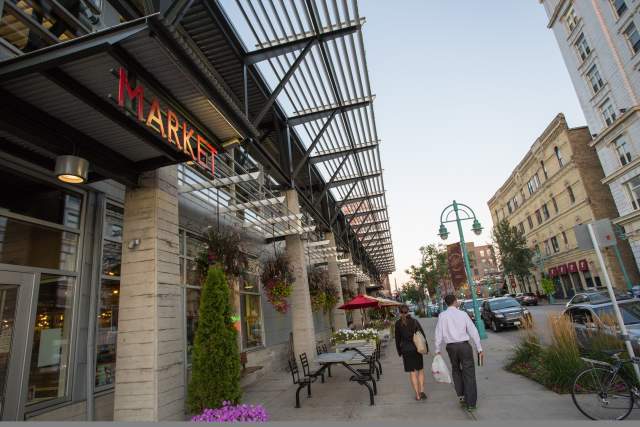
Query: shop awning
point(65, 100)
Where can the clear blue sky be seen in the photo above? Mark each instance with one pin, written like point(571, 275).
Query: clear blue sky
point(463, 90)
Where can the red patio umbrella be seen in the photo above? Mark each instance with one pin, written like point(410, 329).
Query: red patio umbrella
point(361, 301)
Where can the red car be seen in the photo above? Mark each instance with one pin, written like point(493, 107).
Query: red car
point(529, 298)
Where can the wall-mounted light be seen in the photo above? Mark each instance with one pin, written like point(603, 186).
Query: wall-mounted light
point(72, 169)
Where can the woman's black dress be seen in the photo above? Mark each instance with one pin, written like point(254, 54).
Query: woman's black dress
point(412, 360)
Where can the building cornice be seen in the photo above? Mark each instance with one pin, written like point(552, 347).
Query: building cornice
point(612, 129)
point(621, 171)
point(556, 13)
point(628, 218)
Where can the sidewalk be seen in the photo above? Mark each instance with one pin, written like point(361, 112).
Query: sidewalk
point(502, 395)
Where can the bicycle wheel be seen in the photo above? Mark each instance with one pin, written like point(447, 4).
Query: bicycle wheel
point(601, 394)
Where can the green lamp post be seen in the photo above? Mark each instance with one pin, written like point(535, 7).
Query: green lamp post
point(456, 209)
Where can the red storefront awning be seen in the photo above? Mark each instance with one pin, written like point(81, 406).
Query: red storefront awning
point(573, 267)
point(583, 265)
point(563, 269)
point(553, 272)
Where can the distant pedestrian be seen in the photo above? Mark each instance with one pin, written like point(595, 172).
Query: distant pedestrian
point(413, 361)
point(455, 329)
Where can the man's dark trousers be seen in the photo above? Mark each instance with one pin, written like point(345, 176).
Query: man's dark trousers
point(463, 371)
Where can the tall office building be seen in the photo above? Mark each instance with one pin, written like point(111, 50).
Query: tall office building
point(600, 41)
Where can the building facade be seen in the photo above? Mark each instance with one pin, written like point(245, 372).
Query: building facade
point(556, 186)
point(486, 264)
point(600, 41)
point(130, 131)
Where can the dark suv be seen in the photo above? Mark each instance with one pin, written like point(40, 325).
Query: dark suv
point(503, 312)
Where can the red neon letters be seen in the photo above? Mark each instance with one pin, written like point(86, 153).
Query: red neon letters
point(167, 125)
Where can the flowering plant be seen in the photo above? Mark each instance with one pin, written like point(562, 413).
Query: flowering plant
point(230, 413)
point(223, 248)
point(277, 280)
point(324, 296)
point(344, 335)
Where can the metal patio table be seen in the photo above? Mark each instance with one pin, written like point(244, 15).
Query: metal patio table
point(328, 359)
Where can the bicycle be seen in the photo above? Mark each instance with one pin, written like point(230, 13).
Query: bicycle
point(601, 392)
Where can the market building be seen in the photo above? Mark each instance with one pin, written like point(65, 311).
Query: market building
point(600, 41)
point(128, 131)
point(556, 186)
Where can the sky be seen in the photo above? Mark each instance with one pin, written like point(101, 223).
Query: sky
point(463, 89)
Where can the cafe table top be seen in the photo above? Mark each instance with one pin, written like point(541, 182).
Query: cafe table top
point(343, 357)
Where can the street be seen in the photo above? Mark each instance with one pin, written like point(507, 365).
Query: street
point(540, 315)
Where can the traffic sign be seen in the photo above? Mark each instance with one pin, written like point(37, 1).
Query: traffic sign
point(603, 230)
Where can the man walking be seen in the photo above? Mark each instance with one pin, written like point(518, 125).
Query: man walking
point(455, 329)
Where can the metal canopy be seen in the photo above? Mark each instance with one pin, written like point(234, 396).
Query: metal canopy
point(64, 100)
point(307, 58)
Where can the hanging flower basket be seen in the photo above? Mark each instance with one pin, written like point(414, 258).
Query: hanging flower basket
point(277, 282)
point(223, 248)
point(324, 296)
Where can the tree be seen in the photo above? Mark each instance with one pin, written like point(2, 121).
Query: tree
point(432, 269)
point(514, 253)
point(215, 375)
point(547, 285)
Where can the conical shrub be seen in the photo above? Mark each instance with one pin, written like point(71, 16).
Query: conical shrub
point(215, 375)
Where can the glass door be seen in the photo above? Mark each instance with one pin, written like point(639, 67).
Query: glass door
point(16, 293)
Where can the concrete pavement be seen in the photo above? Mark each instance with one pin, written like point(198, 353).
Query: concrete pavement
point(502, 395)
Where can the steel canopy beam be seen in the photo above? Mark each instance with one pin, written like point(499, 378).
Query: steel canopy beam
point(315, 141)
point(348, 180)
point(326, 111)
point(328, 155)
point(357, 199)
point(361, 213)
point(291, 46)
point(285, 79)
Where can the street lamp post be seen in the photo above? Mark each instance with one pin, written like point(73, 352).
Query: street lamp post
point(457, 208)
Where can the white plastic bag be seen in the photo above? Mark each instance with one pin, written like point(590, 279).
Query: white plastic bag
point(440, 371)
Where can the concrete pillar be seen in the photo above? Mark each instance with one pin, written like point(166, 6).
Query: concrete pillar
point(150, 358)
point(304, 334)
point(339, 316)
point(353, 286)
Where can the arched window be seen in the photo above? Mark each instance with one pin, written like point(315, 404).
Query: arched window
point(558, 156)
point(544, 169)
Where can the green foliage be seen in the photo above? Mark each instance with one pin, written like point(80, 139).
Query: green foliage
point(432, 269)
point(514, 253)
point(324, 296)
point(215, 376)
point(223, 248)
point(277, 281)
point(547, 285)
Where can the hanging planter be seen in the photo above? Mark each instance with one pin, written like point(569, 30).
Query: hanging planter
point(277, 282)
point(324, 296)
point(223, 248)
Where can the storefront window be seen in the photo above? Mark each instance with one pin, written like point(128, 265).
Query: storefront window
point(51, 338)
point(30, 25)
point(192, 306)
point(190, 247)
point(109, 298)
point(24, 243)
point(250, 307)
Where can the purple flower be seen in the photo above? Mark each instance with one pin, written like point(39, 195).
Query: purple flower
point(229, 413)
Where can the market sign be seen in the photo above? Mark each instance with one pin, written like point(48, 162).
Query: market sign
point(178, 132)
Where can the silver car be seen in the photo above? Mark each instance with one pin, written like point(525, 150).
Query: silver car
point(588, 318)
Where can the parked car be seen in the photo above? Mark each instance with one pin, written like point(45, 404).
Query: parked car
point(499, 313)
point(467, 305)
point(529, 298)
point(595, 297)
point(591, 318)
point(435, 310)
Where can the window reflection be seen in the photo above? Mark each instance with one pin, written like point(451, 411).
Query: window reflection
point(23, 243)
point(51, 338)
point(111, 258)
point(192, 306)
point(106, 338)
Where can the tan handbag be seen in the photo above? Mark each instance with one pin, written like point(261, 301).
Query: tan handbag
point(420, 342)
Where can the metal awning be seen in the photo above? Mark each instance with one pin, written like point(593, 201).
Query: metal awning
point(64, 100)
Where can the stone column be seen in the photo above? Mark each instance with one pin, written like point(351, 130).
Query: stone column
point(353, 286)
point(304, 333)
point(339, 316)
point(150, 358)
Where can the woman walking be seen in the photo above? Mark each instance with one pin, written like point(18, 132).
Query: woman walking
point(413, 361)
